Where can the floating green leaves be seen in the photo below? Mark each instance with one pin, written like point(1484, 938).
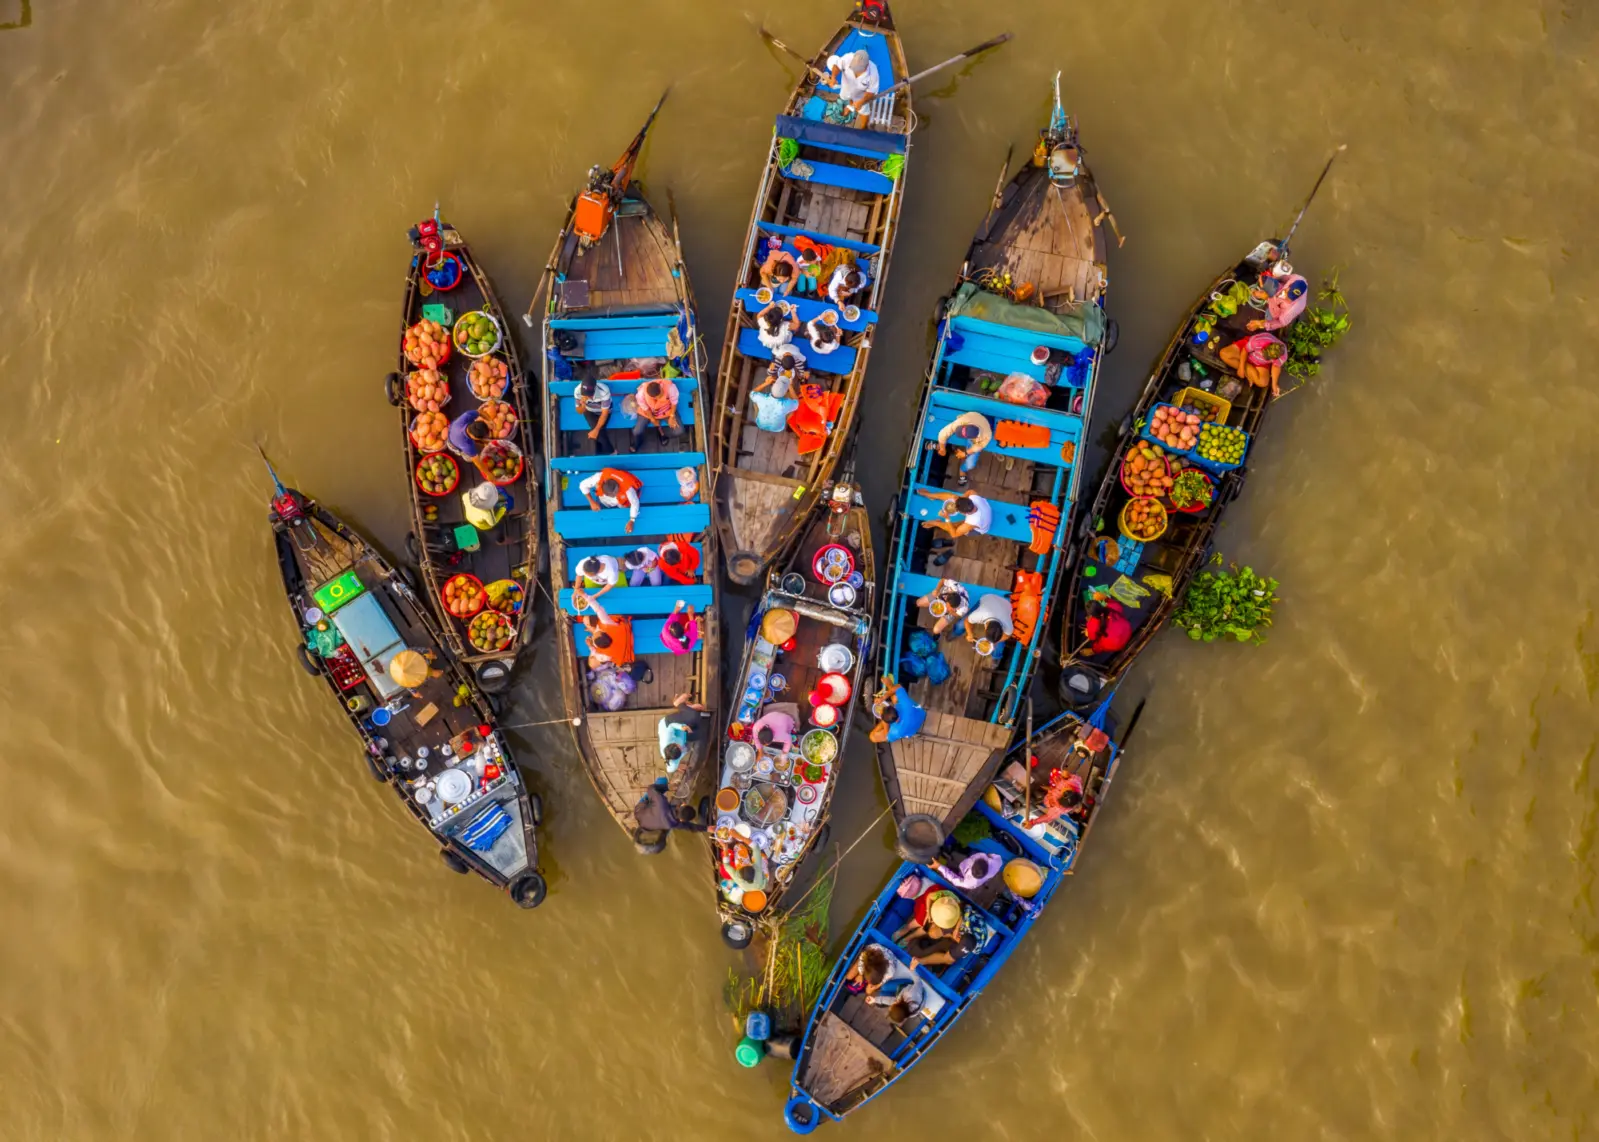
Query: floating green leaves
point(1232, 604)
point(1318, 329)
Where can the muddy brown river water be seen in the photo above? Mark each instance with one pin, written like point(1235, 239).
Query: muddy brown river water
point(1344, 889)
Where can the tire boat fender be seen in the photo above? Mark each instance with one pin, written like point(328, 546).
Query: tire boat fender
point(801, 1114)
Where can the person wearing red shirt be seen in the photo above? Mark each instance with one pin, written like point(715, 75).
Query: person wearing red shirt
point(1107, 628)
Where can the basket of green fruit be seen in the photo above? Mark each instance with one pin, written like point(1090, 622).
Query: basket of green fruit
point(490, 631)
point(477, 333)
point(500, 462)
point(437, 474)
point(1221, 447)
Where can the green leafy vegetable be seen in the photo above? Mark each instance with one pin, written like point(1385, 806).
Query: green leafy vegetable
point(974, 827)
point(1190, 488)
point(1233, 604)
point(1318, 329)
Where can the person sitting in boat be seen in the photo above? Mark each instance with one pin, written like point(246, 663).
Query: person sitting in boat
point(972, 433)
point(677, 731)
point(1258, 359)
point(1107, 629)
point(785, 374)
point(991, 621)
point(772, 413)
point(955, 602)
point(485, 505)
point(680, 560)
point(469, 432)
point(857, 80)
point(780, 271)
point(610, 640)
point(1286, 293)
point(593, 401)
point(776, 325)
point(880, 980)
point(681, 630)
point(596, 575)
point(642, 567)
point(808, 257)
point(823, 333)
point(970, 514)
point(972, 871)
point(655, 814)
point(847, 281)
point(614, 488)
point(935, 934)
point(898, 715)
point(656, 401)
point(773, 731)
point(688, 484)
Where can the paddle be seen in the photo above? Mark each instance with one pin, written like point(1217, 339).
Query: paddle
point(999, 190)
point(968, 54)
point(781, 46)
point(1132, 724)
point(1282, 249)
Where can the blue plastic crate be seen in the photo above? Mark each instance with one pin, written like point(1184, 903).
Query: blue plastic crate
point(1191, 455)
point(1131, 550)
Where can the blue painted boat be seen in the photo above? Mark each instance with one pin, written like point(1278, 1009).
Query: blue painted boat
point(857, 1044)
point(1026, 323)
point(615, 306)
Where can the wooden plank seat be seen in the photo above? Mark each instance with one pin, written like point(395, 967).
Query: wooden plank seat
point(647, 600)
point(660, 487)
point(815, 236)
point(840, 360)
point(1010, 520)
point(576, 555)
point(572, 420)
point(947, 404)
point(608, 523)
point(646, 637)
point(1003, 349)
point(913, 585)
point(809, 309)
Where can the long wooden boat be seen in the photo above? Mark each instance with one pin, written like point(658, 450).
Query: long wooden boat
point(1032, 287)
point(435, 742)
point(1144, 580)
point(854, 1047)
point(615, 305)
point(825, 185)
point(773, 804)
point(443, 541)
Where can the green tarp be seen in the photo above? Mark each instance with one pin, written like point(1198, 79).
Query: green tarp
point(1086, 322)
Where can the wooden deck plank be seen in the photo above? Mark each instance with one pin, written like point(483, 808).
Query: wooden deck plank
point(842, 1059)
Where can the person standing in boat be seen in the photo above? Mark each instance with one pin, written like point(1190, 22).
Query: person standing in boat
point(898, 715)
point(614, 488)
point(485, 505)
point(858, 83)
point(973, 433)
point(593, 400)
point(654, 813)
point(677, 731)
point(469, 432)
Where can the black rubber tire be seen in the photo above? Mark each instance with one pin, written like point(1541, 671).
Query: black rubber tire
point(308, 660)
point(919, 838)
point(528, 890)
point(492, 677)
point(410, 577)
point(496, 707)
point(535, 804)
point(742, 567)
point(394, 389)
point(376, 767)
point(737, 935)
point(782, 1046)
point(704, 811)
point(453, 862)
point(1074, 699)
point(649, 848)
point(1113, 335)
point(413, 547)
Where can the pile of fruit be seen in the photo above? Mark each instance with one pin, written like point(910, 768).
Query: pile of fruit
point(500, 462)
point(506, 595)
point(476, 333)
point(427, 344)
point(1174, 428)
point(1143, 519)
point(1145, 471)
point(438, 474)
point(427, 390)
point(1192, 490)
point(1221, 444)
point(501, 418)
point(489, 631)
point(488, 378)
point(463, 596)
point(430, 431)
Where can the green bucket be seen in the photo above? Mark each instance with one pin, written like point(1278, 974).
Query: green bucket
point(443, 314)
point(749, 1052)
point(336, 592)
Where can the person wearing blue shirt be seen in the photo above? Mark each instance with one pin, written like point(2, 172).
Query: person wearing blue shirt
point(898, 715)
point(468, 433)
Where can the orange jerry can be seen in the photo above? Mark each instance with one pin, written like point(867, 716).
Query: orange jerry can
point(592, 216)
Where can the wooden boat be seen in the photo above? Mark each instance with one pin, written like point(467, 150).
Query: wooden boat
point(435, 743)
point(1041, 244)
point(1146, 579)
point(443, 542)
point(823, 184)
point(615, 300)
point(853, 1050)
point(772, 805)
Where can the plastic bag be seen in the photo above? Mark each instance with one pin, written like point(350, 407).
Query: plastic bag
point(1019, 388)
point(912, 667)
point(922, 643)
point(938, 670)
point(609, 688)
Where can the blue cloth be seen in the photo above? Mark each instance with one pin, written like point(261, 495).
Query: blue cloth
point(481, 834)
point(459, 440)
point(911, 716)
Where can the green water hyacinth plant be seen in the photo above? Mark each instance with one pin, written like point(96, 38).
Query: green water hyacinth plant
point(1318, 329)
point(1232, 604)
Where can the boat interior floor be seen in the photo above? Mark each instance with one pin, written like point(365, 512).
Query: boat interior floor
point(631, 264)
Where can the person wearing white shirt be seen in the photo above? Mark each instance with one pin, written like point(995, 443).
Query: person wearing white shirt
point(856, 78)
point(597, 574)
point(823, 335)
point(776, 325)
point(847, 281)
point(610, 495)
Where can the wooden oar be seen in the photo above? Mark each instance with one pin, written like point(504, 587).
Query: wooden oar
point(967, 54)
point(781, 46)
point(999, 190)
point(1282, 249)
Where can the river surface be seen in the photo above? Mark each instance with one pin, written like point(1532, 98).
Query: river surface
point(1344, 887)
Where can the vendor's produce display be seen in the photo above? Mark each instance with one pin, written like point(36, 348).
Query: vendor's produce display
point(430, 431)
point(427, 345)
point(1145, 471)
point(438, 474)
point(1191, 491)
point(463, 596)
point(819, 747)
point(501, 418)
point(505, 596)
point(476, 333)
point(500, 462)
point(1143, 518)
point(489, 631)
point(1222, 445)
point(489, 378)
point(427, 390)
point(1174, 428)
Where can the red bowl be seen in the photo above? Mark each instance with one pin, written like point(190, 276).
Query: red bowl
point(1194, 508)
point(482, 598)
point(416, 473)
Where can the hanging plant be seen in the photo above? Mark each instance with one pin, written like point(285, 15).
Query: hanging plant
point(1233, 604)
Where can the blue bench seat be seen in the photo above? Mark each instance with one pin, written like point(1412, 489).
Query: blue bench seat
point(835, 137)
point(809, 309)
point(647, 600)
point(576, 555)
point(840, 360)
point(609, 523)
point(572, 420)
point(815, 236)
point(620, 344)
point(660, 487)
point(661, 321)
point(636, 463)
point(916, 586)
point(1010, 520)
point(646, 637)
point(1004, 349)
point(845, 178)
point(947, 404)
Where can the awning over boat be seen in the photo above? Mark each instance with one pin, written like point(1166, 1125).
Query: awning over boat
point(1085, 326)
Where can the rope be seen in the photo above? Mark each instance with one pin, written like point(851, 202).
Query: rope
point(789, 911)
point(531, 725)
